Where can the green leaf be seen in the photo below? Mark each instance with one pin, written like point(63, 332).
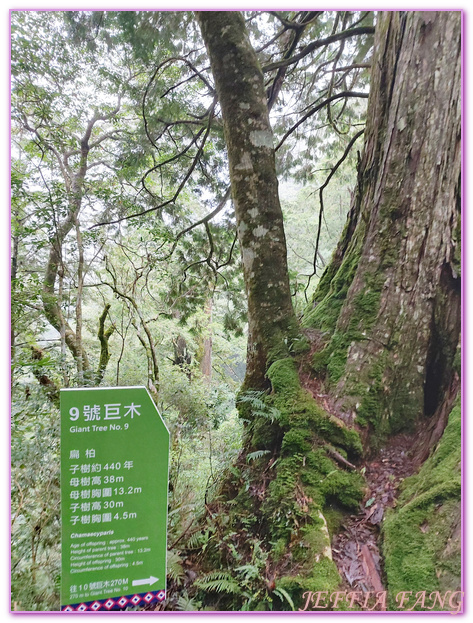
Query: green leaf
point(256, 455)
point(283, 594)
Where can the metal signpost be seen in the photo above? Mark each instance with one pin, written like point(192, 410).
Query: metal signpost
point(114, 484)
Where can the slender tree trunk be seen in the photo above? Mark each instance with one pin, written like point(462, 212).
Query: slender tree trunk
point(14, 269)
point(79, 291)
point(249, 139)
point(74, 185)
point(390, 299)
point(51, 304)
point(206, 363)
point(104, 337)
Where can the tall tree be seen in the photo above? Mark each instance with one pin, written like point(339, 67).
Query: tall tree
point(389, 302)
point(250, 146)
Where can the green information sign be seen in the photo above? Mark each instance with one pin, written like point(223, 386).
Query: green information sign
point(114, 485)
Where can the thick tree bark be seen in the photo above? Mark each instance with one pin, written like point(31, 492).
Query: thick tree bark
point(249, 139)
point(391, 296)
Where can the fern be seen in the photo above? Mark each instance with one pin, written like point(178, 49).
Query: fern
point(219, 581)
point(198, 540)
point(186, 603)
point(259, 407)
point(249, 572)
point(256, 455)
point(174, 567)
point(284, 595)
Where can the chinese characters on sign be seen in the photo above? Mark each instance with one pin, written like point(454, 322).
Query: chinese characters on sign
point(114, 480)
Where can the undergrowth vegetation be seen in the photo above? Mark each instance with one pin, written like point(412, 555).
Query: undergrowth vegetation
point(422, 546)
point(264, 539)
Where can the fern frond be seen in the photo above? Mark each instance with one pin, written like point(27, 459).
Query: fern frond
point(254, 398)
point(249, 572)
point(284, 595)
point(219, 581)
point(186, 603)
point(258, 405)
point(257, 454)
point(197, 540)
point(174, 567)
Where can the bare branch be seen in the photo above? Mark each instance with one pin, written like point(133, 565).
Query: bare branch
point(321, 210)
point(203, 220)
point(351, 32)
point(312, 111)
point(179, 189)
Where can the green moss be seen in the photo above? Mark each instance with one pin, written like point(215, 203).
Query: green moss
point(421, 535)
point(320, 361)
point(346, 488)
point(371, 406)
point(320, 575)
point(279, 549)
point(334, 518)
point(329, 297)
point(299, 345)
point(312, 538)
point(283, 376)
point(318, 461)
point(362, 317)
point(296, 440)
point(304, 479)
point(264, 434)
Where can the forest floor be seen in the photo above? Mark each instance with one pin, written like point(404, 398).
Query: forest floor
point(356, 547)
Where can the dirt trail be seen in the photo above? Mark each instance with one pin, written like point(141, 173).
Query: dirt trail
point(355, 548)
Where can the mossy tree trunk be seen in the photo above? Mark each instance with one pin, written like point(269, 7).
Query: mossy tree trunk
point(390, 300)
point(388, 303)
point(249, 139)
point(280, 485)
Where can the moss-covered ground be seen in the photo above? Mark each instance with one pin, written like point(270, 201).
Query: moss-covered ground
point(421, 536)
point(268, 541)
point(275, 499)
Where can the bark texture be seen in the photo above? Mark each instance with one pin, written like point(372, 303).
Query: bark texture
point(390, 299)
point(249, 139)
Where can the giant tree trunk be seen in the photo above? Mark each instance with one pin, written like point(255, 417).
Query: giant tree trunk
point(390, 299)
point(249, 139)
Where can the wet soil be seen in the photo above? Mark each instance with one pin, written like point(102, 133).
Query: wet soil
point(356, 548)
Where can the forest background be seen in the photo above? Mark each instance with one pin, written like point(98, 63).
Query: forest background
point(335, 237)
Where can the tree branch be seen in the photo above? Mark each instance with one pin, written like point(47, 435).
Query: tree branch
point(319, 107)
point(321, 210)
point(351, 32)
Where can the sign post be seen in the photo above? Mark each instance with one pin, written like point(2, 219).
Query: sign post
point(114, 484)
